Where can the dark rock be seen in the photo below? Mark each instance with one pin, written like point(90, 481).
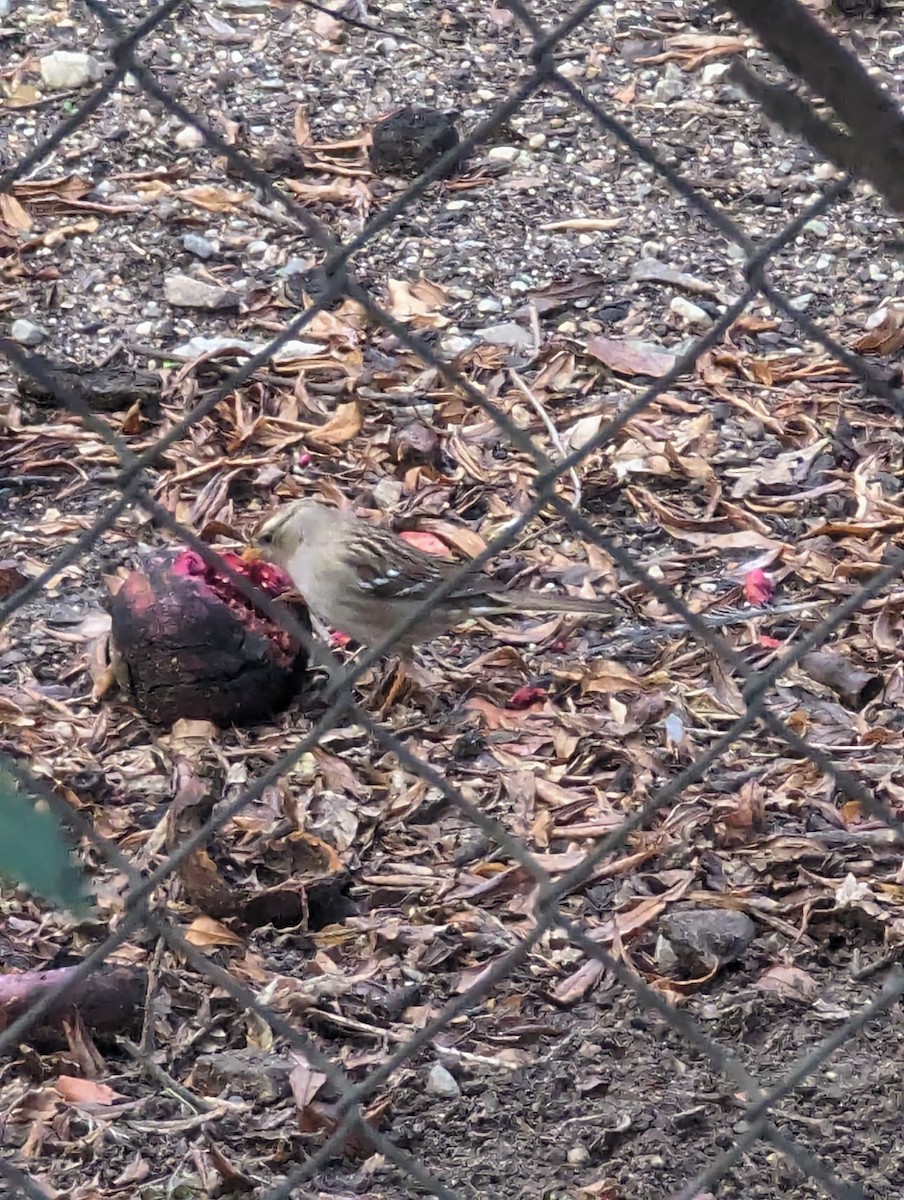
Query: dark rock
point(704, 938)
point(411, 140)
point(245, 1072)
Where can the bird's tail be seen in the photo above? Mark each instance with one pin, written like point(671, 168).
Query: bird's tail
point(525, 601)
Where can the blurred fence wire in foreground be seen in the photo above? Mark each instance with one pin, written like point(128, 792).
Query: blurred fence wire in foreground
point(870, 146)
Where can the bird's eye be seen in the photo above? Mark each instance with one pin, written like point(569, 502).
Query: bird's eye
point(264, 539)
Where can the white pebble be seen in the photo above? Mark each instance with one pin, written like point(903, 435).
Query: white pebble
point(713, 72)
point(70, 69)
point(690, 313)
point(504, 153)
point(27, 333)
point(189, 138)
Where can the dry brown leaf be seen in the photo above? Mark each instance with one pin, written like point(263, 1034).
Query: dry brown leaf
point(495, 717)
point(318, 154)
point(204, 932)
point(64, 187)
point(85, 1091)
point(214, 199)
point(53, 237)
point(18, 94)
point(583, 431)
point(579, 983)
point(313, 856)
point(152, 189)
point(885, 330)
point(418, 302)
point(305, 1082)
point(191, 738)
point(751, 323)
point(343, 425)
point(792, 983)
point(327, 27)
point(351, 194)
point(301, 127)
point(459, 537)
point(631, 358)
point(500, 16)
point(604, 1189)
point(695, 50)
point(745, 539)
point(605, 675)
point(13, 215)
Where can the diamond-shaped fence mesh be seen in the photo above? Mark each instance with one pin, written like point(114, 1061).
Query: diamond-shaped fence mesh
point(358, 1116)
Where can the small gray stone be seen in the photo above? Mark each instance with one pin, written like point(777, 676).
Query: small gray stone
point(802, 303)
point(388, 493)
point(489, 304)
point(713, 72)
point(202, 247)
point(671, 86)
point(441, 1083)
point(295, 266)
point(456, 343)
point(690, 313)
point(508, 333)
point(27, 333)
point(183, 291)
point(65, 69)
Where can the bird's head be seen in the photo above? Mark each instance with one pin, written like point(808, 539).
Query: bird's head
point(282, 535)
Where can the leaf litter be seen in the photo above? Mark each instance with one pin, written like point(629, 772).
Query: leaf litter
point(349, 894)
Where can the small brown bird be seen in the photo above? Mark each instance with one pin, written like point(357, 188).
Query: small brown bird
point(363, 579)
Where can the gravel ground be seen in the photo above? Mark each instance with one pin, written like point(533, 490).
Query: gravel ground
point(768, 455)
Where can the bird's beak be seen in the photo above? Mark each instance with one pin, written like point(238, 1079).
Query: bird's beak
point(251, 553)
point(254, 548)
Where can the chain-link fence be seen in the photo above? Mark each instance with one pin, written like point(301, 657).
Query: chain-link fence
point(820, 60)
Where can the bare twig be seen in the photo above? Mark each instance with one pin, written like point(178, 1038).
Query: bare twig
point(550, 429)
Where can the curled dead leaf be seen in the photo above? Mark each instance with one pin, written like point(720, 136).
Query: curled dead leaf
point(204, 932)
point(85, 1091)
point(215, 199)
point(343, 425)
point(631, 357)
point(418, 303)
point(854, 686)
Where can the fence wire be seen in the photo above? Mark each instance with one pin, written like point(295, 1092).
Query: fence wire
point(136, 487)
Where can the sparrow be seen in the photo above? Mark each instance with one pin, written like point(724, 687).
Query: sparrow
point(364, 580)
